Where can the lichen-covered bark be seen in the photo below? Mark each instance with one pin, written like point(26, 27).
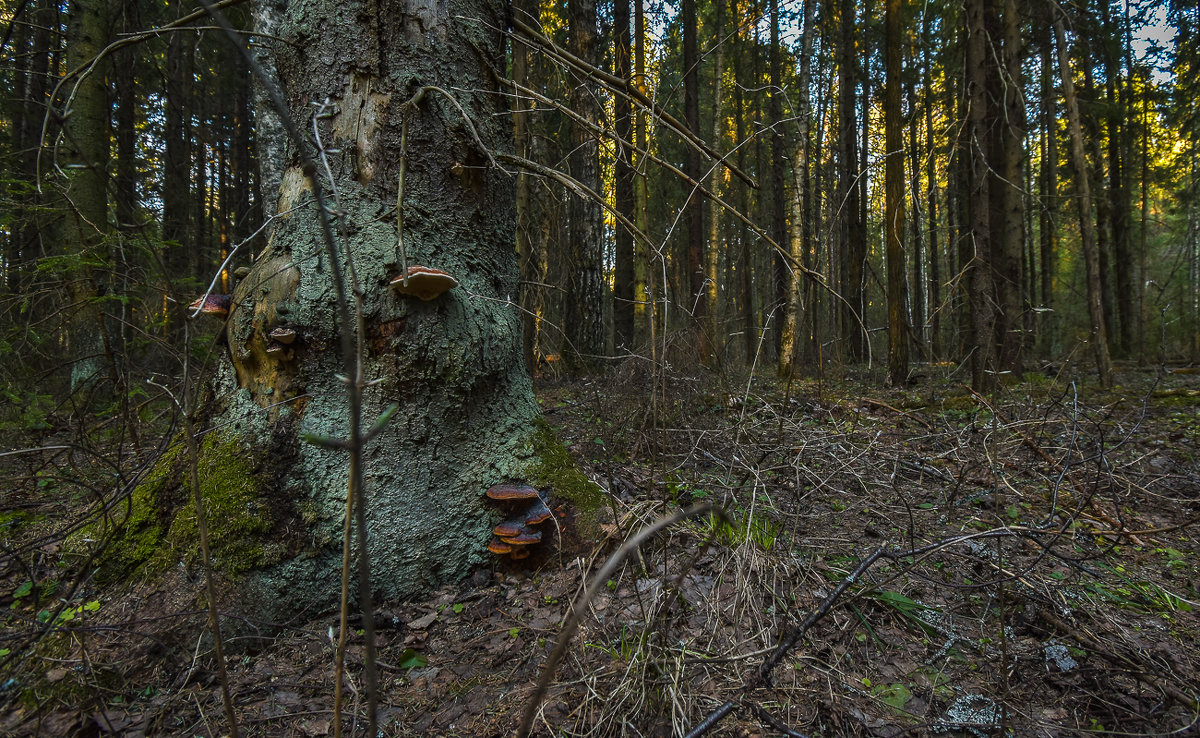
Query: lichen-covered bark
point(453, 365)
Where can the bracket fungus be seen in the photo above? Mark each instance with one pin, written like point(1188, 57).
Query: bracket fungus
point(286, 336)
point(497, 546)
point(514, 535)
point(217, 305)
point(279, 352)
point(424, 283)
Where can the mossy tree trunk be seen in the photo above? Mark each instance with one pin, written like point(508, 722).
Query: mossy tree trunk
point(453, 365)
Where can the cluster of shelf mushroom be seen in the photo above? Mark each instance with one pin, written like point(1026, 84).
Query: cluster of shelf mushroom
point(514, 535)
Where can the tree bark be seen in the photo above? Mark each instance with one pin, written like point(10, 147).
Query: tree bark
point(624, 297)
point(797, 320)
point(585, 324)
point(852, 243)
point(894, 197)
point(1005, 187)
point(979, 233)
point(713, 246)
point(453, 366)
point(1098, 336)
point(82, 197)
point(694, 259)
point(1048, 212)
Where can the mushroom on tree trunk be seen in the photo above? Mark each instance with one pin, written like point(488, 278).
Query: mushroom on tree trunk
point(464, 399)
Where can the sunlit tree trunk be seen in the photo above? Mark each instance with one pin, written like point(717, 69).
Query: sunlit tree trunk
point(797, 317)
point(624, 294)
point(1098, 336)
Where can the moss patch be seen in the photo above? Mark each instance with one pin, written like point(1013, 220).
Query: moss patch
point(160, 528)
point(553, 469)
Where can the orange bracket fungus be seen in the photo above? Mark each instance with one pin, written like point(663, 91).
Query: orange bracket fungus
point(514, 535)
point(424, 283)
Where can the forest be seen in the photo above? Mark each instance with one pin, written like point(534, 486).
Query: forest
point(674, 367)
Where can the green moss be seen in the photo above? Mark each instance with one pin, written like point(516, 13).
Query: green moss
point(160, 528)
point(237, 518)
point(555, 470)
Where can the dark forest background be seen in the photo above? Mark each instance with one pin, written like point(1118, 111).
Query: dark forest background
point(804, 186)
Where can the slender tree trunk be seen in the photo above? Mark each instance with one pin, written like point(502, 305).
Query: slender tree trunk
point(749, 303)
point(644, 310)
point(778, 199)
point(527, 230)
point(1117, 120)
point(82, 197)
point(979, 269)
point(1005, 188)
point(935, 275)
point(1098, 336)
point(178, 226)
point(797, 328)
point(21, 102)
point(894, 196)
point(584, 320)
point(852, 243)
point(713, 247)
point(918, 299)
point(623, 183)
point(694, 217)
point(1048, 213)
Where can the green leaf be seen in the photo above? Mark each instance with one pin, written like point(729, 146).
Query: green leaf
point(895, 695)
point(458, 608)
point(410, 659)
point(23, 590)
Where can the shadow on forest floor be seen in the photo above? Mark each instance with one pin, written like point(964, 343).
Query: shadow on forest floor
point(1052, 589)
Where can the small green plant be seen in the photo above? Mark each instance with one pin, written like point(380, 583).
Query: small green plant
point(755, 528)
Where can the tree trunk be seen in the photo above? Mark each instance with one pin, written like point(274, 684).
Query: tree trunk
point(797, 322)
point(1005, 188)
point(83, 196)
point(643, 311)
point(584, 321)
point(178, 227)
point(624, 297)
point(1048, 212)
point(852, 243)
point(894, 197)
point(1098, 334)
point(453, 365)
point(712, 247)
point(979, 249)
point(697, 299)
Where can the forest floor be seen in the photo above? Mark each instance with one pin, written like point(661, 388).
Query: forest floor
point(1039, 575)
